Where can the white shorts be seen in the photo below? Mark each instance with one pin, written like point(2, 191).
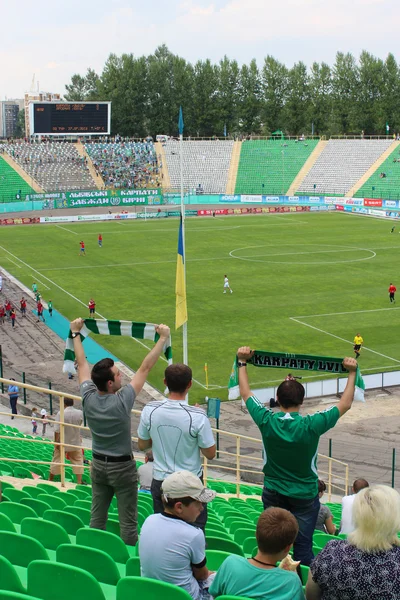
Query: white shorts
point(226, 285)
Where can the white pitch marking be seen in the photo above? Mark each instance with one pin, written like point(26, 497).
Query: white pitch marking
point(65, 229)
point(342, 339)
point(134, 231)
point(13, 261)
point(352, 312)
point(336, 262)
point(296, 253)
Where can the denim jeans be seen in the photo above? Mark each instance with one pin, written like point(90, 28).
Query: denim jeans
point(119, 478)
point(306, 513)
point(159, 507)
point(13, 404)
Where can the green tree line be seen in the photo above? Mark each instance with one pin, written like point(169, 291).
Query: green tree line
point(347, 98)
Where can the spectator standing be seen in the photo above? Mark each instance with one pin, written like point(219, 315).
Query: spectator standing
point(347, 523)
point(259, 577)
point(367, 564)
point(34, 287)
point(72, 438)
point(2, 314)
point(107, 407)
point(50, 307)
point(34, 417)
point(13, 393)
point(8, 308)
point(291, 445)
point(145, 472)
point(40, 315)
point(325, 518)
point(22, 303)
point(177, 433)
point(170, 549)
point(43, 416)
point(13, 316)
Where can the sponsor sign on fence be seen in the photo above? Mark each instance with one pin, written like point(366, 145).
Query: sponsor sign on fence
point(20, 221)
point(87, 198)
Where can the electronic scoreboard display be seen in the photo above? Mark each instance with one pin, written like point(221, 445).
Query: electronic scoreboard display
point(70, 118)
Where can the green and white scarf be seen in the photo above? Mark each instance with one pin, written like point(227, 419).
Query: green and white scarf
point(301, 362)
point(141, 331)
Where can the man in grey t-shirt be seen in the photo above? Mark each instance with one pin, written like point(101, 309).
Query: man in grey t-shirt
point(107, 407)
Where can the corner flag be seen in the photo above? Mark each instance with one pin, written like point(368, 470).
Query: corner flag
point(180, 288)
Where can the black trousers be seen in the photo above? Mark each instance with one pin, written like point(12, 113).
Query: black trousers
point(159, 507)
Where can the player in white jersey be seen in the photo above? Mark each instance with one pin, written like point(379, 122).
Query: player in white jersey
point(226, 285)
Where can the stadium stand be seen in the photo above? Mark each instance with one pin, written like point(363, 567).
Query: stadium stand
point(205, 165)
point(385, 181)
point(55, 165)
point(270, 166)
point(11, 184)
point(341, 164)
point(125, 164)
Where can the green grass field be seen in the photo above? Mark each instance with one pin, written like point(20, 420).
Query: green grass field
point(301, 283)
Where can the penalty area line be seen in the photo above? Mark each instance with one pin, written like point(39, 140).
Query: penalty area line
point(343, 339)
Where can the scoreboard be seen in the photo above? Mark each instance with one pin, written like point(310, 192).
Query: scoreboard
point(70, 118)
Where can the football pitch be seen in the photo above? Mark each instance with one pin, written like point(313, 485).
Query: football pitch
point(302, 283)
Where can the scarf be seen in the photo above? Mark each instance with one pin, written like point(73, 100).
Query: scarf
point(142, 331)
point(301, 362)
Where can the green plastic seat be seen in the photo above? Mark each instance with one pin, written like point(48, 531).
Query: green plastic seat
point(17, 495)
point(103, 540)
point(211, 532)
point(53, 501)
point(21, 549)
point(49, 534)
point(6, 524)
point(32, 490)
point(241, 524)
point(47, 488)
point(87, 504)
point(38, 506)
point(6, 469)
point(16, 512)
point(82, 513)
point(5, 484)
point(84, 488)
point(22, 472)
point(241, 535)
point(321, 539)
point(215, 558)
point(9, 595)
point(9, 579)
point(52, 580)
point(95, 561)
point(133, 567)
point(112, 526)
point(215, 526)
point(248, 546)
point(68, 499)
point(149, 589)
point(216, 543)
point(236, 519)
point(304, 571)
point(71, 523)
point(79, 494)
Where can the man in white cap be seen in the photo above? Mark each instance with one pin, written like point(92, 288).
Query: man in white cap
point(170, 548)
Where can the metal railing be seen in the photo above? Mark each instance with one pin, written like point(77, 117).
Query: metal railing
point(238, 455)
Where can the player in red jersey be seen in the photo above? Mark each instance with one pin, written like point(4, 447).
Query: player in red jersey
point(82, 249)
point(23, 306)
point(100, 240)
point(92, 307)
point(392, 291)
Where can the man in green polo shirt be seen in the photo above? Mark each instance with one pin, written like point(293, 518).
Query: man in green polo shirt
point(291, 446)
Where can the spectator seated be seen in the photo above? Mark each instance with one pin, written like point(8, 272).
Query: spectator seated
point(54, 165)
point(125, 164)
point(388, 186)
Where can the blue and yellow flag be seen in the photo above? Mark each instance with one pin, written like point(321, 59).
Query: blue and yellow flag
point(181, 315)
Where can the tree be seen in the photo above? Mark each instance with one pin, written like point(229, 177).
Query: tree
point(249, 99)
point(20, 128)
point(296, 110)
point(320, 91)
point(344, 94)
point(83, 88)
point(391, 93)
point(274, 94)
point(227, 95)
point(205, 106)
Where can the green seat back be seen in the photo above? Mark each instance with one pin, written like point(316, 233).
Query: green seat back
point(149, 589)
point(304, 571)
point(53, 501)
point(248, 546)
point(32, 490)
point(16, 512)
point(79, 494)
point(87, 504)
point(68, 499)
point(71, 523)
point(216, 543)
point(22, 472)
point(96, 562)
point(50, 534)
point(38, 506)
point(6, 524)
point(8, 595)
point(321, 539)
point(21, 549)
point(5, 484)
point(236, 519)
point(133, 567)
point(82, 513)
point(241, 524)
point(112, 526)
point(241, 535)
point(9, 579)
point(103, 540)
point(47, 488)
point(211, 532)
point(53, 580)
point(16, 495)
point(215, 558)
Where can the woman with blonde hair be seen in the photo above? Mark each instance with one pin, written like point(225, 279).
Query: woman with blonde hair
point(367, 564)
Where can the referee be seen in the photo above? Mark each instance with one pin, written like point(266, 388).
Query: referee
point(358, 342)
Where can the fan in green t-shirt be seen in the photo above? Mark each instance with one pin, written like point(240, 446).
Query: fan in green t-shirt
point(291, 447)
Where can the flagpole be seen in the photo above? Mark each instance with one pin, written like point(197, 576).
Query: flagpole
point(184, 330)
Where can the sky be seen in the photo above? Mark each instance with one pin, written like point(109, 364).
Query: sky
point(53, 40)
